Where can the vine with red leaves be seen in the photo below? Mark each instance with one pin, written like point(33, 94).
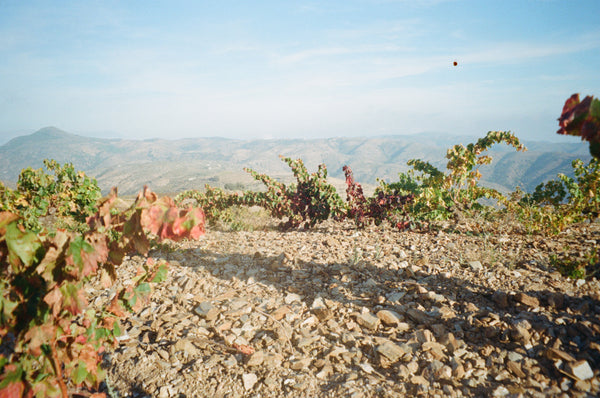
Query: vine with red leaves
point(582, 118)
point(50, 338)
point(382, 206)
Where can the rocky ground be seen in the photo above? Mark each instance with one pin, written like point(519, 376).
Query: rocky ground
point(337, 312)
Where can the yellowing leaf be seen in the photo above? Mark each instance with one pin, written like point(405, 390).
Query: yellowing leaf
point(23, 244)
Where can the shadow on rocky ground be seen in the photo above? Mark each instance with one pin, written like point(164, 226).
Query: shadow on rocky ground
point(341, 312)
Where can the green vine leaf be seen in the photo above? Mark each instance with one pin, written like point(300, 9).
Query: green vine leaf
point(23, 244)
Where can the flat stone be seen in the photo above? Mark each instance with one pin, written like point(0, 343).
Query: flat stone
point(388, 317)
point(370, 283)
point(337, 351)
point(514, 356)
point(451, 343)
point(555, 353)
point(520, 334)
point(318, 303)
point(238, 304)
point(475, 265)
point(281, 312)
point(300, 364)
point(186, 346)
point(527, 300)
point(433, 345)
point(222, 327)
point(325, 372)
point(419, 380)
point(306, 341)
point(309, 322)
point(319, 363)
point(203, 309)
point(515, 368)
point(583, 385)
point(270, 382)
point(249, 380)
point(368, 320)
point(404, 372)
point(418, 316)
point(424, 336)
point(395, 296)
point(292, 297)
point(446, 313)
point(256, 359)
point(500, 391)
point(273, 360)
point(458, 371)
point(323, 313)
point(230, 361)
point(403, 327)
point(580, 369)
point(367, 368)
point(413, 367)
point(433, 296)
point(391, 351)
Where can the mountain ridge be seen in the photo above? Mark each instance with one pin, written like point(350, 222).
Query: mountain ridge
point(169, 166)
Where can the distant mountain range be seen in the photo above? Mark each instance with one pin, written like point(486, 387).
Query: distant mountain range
point(170, 166)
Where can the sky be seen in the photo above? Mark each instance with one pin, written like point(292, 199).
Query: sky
point(294, 69)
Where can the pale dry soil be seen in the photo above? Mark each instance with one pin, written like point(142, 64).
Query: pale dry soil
point(337, 311)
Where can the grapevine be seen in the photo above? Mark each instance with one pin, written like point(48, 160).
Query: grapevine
point(384, 205)
point(43, 306)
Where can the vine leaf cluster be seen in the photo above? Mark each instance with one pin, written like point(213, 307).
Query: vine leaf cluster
point(582, 118)
point(49, 334)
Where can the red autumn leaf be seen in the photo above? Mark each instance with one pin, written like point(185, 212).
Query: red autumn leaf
point(108, 322)
point(103, 218)
point(178, 228)
point(573, 115)
point(403, 225)
point(590, 131)
point(189, 224)
point(54, 299)
point(93, 258)
point(38, 336)
point(89, 356)
point(151, 219)
point(134, 236)
point(74, 299)
point(199, 221)
point(116, 308)
point(13, 390)
point(46, 267)
point(170, 216)
point(81, 339)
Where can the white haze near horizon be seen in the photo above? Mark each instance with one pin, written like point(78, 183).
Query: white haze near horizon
point(294, 69)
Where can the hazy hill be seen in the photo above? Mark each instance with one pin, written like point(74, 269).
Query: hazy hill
point(175, 165)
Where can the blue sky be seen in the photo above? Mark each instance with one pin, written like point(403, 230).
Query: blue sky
point(297, 69)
